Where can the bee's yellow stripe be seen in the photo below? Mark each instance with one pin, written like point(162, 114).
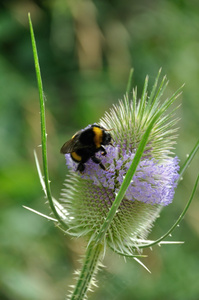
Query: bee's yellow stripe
point(98, 136)
point(76, 157)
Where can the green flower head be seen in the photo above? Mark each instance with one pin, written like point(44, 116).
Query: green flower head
point(89, 195)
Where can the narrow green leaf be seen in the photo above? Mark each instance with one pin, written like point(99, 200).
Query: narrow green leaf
point(40, 174)
point(47, 189)
point(188, 161)
point(176, 223)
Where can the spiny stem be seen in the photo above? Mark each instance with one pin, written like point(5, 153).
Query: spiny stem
point(88, 271)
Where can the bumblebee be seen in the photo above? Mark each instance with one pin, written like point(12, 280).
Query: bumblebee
point(85, 143)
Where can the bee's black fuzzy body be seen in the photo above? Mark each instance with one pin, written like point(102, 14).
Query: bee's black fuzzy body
point(85, 143)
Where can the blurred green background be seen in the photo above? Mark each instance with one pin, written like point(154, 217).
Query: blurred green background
point(86, 49)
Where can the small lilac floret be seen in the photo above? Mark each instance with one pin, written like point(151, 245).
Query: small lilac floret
point(153, 183)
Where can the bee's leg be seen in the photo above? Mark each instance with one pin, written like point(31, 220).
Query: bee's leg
point(98, 161)
point(81, 167)
point(103, 151)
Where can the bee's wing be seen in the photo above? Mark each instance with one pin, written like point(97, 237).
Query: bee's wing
point(71, 145)
point(68, 147)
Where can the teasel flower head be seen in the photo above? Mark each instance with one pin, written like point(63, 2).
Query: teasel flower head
point(89, 196)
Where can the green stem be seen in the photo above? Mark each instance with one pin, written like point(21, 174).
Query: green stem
point(88, 271)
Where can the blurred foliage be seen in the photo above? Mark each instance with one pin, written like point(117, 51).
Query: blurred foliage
point(86, 49)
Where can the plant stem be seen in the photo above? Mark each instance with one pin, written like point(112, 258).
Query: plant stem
point(88, 272)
